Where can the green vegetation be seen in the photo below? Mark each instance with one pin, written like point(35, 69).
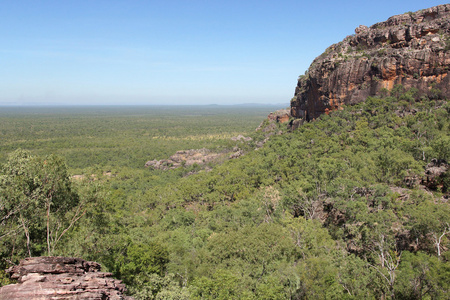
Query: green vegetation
point(122, 136)
point(37, 199)
point(333, 210)
point(447, 44)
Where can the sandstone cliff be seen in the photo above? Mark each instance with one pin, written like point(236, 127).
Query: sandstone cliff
point(61, 278)
point(412, 49)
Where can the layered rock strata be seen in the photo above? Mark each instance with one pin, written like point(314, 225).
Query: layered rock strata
point(61, 278)
point(412, 49)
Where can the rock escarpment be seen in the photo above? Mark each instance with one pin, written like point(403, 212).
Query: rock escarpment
point(412, 49)
point(61, 278)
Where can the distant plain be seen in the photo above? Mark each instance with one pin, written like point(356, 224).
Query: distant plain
point(119, 136)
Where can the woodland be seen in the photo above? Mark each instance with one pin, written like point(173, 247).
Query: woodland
point(339, 208)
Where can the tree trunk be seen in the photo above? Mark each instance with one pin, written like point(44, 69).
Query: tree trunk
point(48, 230)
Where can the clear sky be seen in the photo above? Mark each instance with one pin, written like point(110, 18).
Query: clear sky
point(171, 52)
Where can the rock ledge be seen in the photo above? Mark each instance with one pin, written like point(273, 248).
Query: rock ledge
point(61, 278)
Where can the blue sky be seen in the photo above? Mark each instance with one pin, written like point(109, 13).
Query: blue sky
point(171, 52)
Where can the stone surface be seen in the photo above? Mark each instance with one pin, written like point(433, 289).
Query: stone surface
point(61, 278)
point(434, 171)
point(280, 116)
point(240, 138)
point(184, 157)
point(412, 49)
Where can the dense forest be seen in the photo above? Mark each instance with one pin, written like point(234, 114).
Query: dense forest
point(348, 206)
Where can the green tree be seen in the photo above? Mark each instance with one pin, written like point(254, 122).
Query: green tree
point(430, 223)
point(422, 276)
point(156, 287)
point(223, 285)
point(37, 200)
point(141, 260)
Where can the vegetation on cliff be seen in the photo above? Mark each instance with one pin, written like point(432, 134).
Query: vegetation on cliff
point(354, 205)
point(409, 49)
point(340, 208)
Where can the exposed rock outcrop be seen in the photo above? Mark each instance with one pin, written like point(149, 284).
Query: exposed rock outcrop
point(186, 158)
point(412, 49)
point(61, 278)
point(270, 125)
point(435, 173)
point(240, 138)
point(280, 116)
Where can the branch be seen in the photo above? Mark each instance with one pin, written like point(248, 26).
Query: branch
point(444, 233)
point(9, 261)
point(381, 273)
point(75, 218)
point(13, 212)
point(12, 231)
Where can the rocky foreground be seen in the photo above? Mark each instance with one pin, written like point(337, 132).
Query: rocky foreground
point(61, 278)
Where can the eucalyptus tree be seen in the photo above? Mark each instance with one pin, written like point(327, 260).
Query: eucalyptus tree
point(37, 202)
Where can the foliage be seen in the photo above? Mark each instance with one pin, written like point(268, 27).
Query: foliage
point(37, 202)
point(99, 136)
point(142, 259)
point(332, 210)
point(156, 287)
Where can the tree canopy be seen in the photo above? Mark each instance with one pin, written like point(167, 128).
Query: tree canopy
point(340, 208)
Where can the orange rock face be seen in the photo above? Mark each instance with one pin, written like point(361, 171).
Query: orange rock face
point(280, 116)
point(412, 49)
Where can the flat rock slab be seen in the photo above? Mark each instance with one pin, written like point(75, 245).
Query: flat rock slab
point(61, 278)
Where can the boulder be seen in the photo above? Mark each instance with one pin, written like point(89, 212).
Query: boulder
point(185, 158)
point(61, 278)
